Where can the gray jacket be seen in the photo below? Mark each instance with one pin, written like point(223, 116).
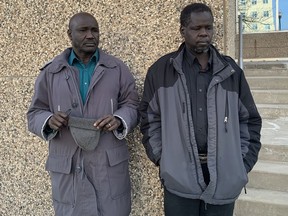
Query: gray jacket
point(168, 135)
point(87, 183)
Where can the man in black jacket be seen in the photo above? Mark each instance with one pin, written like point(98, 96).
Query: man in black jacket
point(199, 122)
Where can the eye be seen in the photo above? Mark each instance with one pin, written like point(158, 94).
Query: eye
point(195, 28)
point(95, 30)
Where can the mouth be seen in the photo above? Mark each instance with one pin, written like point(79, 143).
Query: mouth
point(90, 44)
point(203, 43)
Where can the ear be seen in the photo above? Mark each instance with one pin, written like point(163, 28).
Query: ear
point(69, 33)
point(182, 31)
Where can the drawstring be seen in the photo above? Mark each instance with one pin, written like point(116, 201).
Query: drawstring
point(226, 112)
point(225, 121)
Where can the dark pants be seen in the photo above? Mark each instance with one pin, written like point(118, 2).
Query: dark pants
point(179, 206)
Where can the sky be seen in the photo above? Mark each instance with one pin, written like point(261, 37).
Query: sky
point(283, 7)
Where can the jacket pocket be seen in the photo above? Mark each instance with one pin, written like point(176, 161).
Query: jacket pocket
point(62, 179)
point(118, 171)
point(231, 179)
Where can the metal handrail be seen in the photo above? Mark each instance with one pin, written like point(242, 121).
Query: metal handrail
point(240, 54)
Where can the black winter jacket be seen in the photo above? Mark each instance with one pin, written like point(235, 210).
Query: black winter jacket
point(234, 126)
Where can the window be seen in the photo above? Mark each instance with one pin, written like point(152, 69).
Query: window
point(265, 1)
point(254, 2)
point(254, 26)
point(266, 13)
point(242, 2)
point(243, 15)
point(267, 26)
point(254, 14)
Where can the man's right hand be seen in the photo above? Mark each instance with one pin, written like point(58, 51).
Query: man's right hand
point(58, 120)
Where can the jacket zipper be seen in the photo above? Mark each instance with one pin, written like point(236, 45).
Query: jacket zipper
point(183, 110)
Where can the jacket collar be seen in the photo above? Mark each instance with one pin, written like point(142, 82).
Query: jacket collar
point(218, 62)
point(61, 61)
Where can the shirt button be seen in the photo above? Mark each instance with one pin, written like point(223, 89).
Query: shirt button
point(200, 90)
point(85, 83)
point(78, 169)
point(200, 109)
point(74, 105)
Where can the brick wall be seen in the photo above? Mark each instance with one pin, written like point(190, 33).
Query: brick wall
point(264, 45)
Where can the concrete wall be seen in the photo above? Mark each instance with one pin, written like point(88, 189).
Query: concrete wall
point(31, 33)
point(264, 45)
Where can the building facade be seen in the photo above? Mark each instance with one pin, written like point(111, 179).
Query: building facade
point(257, 15)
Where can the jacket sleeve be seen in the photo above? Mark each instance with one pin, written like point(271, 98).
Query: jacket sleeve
point(128, 102)
point(39, 111)
point(150, 125)
point(250, 125)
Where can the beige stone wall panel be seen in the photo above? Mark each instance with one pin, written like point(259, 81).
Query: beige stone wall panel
point(31, 33)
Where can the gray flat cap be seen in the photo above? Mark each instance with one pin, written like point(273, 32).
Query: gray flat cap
point(84, 133)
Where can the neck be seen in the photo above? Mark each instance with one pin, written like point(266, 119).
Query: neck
point(84, 57)
point(203, 59)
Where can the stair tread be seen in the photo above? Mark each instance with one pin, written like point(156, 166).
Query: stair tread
point(277, 145)
point(270, 105)
point(274, 167)
point(274, 131)
point(265, 196)
point(270, 90)
point(267, 77)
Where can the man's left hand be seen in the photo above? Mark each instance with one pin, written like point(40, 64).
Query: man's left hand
point(108, 123)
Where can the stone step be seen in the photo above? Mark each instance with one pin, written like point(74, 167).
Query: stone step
point(265, 65)
point(259, 202)
point(270, 96)
point(266, 72)
point(269, 175)
point(271, 82)
point(274, 152)
point(274, 139)
point(272, 111)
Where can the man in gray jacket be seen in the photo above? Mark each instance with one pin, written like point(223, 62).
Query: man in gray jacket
point(84, 104)
point(199, 122)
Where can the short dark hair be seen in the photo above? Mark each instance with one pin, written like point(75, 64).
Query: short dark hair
point(185, 16)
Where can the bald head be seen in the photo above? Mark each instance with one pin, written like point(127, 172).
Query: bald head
point(74, 20)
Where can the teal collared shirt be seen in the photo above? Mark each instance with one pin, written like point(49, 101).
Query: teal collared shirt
point(85, 71)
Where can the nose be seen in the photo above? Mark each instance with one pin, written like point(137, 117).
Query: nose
point(89, 34)
point(203, 32)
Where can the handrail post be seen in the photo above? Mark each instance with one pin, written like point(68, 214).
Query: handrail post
point(240, 54)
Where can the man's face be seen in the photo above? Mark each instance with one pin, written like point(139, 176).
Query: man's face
point(84, 34)
point(199, 32)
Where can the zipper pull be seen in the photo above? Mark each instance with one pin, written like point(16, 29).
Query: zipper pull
point(225, 122)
